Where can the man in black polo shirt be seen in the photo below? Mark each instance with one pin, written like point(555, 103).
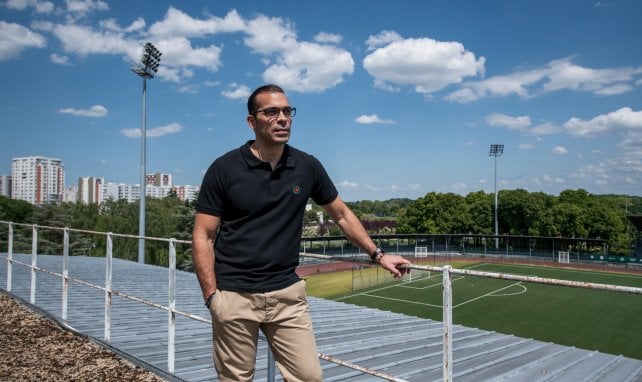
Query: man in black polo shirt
point(246, 239)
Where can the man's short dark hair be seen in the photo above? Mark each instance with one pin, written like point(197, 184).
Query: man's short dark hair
point(270, 88)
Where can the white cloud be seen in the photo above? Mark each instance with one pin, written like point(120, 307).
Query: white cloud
point(97, 111)
point(179, 52)
point(112, 25)
point(559, 150)
point(328, 38)
point(633, 141)
point(525, 146)
point(39, 6)
point(514, 123)
point(382, 39)
point(348, 184)
point(428, 65)
point(623, 119)
point(371, 188)
point(176, 23)
point(501, 85)
point(236, 91)
point(58, 59)
point(83, 40)
point(83, 7)
point(310, 67)
point(270, 35)
point(557, 75)
point(187, 89)
point(545, 129)
point(299, 66)
point(14, 38)
point(372, 120)
point(522, 124)
point(563, 74)
point(172, 128)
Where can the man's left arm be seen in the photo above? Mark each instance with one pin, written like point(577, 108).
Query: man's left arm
point(343, 216)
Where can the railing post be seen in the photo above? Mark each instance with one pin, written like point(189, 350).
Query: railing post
point(34, 254)
point(171, 340)
point(448, 324)
point(271, 366)
point(108, 261)
point(10, 257)
point(65, 271)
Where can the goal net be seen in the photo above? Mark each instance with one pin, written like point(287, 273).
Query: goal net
point(421, 251)
point(563, 257)
point(417, 274)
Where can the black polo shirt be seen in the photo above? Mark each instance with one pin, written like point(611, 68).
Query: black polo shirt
point(261, 211)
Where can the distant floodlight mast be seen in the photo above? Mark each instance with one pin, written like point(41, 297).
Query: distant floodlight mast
point(496, 150)
point(146, 68)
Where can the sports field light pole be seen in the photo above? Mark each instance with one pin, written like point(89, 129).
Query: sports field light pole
point(146, 68)
point(496, 150)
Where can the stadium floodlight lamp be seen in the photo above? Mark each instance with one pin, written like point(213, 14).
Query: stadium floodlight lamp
point(496, 150)
point(149, 62)
point(146, 68)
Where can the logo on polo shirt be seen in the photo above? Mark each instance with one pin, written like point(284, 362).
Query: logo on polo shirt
point(296, 190)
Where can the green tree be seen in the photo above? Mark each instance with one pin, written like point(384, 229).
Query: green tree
point(480, 212)
point(435, 213)
point(14, 210)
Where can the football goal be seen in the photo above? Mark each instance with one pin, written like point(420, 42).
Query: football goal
point(563, 257)
point(421, 251)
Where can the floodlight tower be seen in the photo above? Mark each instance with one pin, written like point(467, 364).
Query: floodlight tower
point(496, 150)
point(146, 68)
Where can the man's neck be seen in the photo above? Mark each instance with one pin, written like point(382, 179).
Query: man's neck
point(268, 153)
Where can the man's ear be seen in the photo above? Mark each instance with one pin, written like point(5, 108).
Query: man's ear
point(251, 121)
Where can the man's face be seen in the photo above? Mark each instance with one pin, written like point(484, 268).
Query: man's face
point(271, 129)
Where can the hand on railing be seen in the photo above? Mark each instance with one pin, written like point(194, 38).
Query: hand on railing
point(395, 264)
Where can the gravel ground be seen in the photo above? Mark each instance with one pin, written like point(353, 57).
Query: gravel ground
point(35, 348)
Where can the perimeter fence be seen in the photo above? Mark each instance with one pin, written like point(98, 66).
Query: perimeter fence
point(171, 244)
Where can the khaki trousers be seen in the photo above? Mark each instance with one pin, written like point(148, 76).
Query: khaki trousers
point(284, 318)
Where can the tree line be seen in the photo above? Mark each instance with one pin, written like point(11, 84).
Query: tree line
point(574, 213)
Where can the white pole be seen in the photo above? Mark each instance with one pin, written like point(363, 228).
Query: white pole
point(108, 272)
point(171, 341)
point(10, 258)
point(34, 254)
point(143, 177)
point(448, 324)
point(65, 272)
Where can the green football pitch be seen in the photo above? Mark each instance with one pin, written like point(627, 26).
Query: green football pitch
point(610, 322)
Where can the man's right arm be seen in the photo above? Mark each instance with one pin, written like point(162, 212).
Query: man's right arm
point(203, 235)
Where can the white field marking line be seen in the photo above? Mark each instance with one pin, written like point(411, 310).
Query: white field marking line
point(399, 300)
point(429, 286)
point(569, 270)
point(524, 290)
point(361, 293)
point(437, 274)
point(486, 295)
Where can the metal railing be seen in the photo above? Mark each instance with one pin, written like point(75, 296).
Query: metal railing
point(447, 274)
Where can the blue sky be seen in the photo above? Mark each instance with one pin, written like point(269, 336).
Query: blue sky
point(397, 99)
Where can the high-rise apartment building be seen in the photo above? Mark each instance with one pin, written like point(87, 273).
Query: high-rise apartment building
point(159, 180)
point(90, 190)
point(5, 185)
point(38, 180)
point(186, 192)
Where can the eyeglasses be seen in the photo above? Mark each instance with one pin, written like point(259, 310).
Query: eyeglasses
point(275, 111)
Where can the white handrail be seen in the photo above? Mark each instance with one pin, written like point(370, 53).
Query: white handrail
point(447, 272)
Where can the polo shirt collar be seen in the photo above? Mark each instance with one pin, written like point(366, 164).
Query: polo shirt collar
point(287, 159)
